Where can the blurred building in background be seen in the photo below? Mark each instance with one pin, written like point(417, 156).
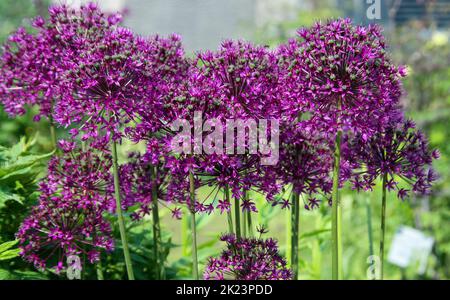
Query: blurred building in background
point(203, 24)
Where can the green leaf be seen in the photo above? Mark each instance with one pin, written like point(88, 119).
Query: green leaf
point(7, 245)
point(6, 252)
point(5, 196)
point(9, 254)
point(313, 233)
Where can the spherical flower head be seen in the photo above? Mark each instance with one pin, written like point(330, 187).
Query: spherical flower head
point(244, 76)
point(33, 65)
point(166, 69)
point(305, 160)
point(248, 259)
point(342, 74)
point(401, 152)
point(137, 183)
point(68, 219)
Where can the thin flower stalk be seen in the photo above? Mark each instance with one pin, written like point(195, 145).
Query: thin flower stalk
point(122, 229)
point(193, 226)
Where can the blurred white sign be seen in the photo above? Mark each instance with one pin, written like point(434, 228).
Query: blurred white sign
point(410, 246)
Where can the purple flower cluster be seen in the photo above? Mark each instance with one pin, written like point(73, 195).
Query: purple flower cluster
point(248, 259)
point(342, 75)
point(400, 153)
point(137, 185)
point(305, 163)
point(34, 66)
point(68, 220)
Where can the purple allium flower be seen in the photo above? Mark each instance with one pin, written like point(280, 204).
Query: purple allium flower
point(245, 77)
point(238, 81)
point(342, 75)
point(136, 183)
point(305, 160)
point(248, 259)
point(33, 65)
point(401, 152)
point(68, 220)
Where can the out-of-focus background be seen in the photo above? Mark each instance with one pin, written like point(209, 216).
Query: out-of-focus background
point(418, 33)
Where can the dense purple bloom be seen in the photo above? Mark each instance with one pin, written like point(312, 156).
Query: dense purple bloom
point(238, 81)
point(401, 152)
point(342, 75)
point(305, 160)
point(68, 220)
point(33, 65)
point(136, 183)
point(248, 259)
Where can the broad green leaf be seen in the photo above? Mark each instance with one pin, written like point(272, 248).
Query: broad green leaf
point(7, 245)
point(9, 254)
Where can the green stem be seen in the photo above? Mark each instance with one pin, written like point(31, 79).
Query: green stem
point(185, 236)
point(335, 231)
point(237, 218)
point(289, 235)
point(123, 234)
point(99, 270)
point(53, 134)
point(193, 226)
point(383, 224)
point(244, 217)
point(244, 224)
point(98, 265)
point(249, 223)
point(229, 216)
point(294, 236)
point(369, 225)
point(156, 225)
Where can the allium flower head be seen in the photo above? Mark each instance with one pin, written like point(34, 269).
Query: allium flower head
point(137, 186)
point(68, 220)
point(342, 74)
point(245, 76)
point(32, 66)
point(248, 259)
point(305, 160)
point(401, 152)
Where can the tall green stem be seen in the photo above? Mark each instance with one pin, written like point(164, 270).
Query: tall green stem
point(244, 224)
point(99, 270)
point(123, 234)
point(98, 265)
point(193, 226)
point(237, 218)
point(383, 224)
point(156, 225)
point(53, 134)
point(249, 224)
point(244, 216)
point(335, 230)
point(369, 225)
point(229, 216)
point(294, 235)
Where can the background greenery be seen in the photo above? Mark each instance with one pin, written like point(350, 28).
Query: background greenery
point(426, 51)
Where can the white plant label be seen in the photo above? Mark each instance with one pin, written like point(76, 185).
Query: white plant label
point(410, 246)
